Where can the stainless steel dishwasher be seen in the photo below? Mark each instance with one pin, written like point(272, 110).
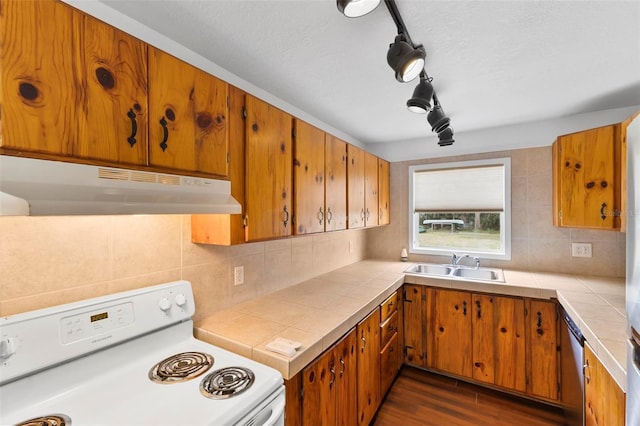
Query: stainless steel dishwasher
point(572, 369)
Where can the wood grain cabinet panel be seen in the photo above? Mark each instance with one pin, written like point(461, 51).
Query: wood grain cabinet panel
point(188, 114)
point(452, 344)
point(308, 178)
point(268, 177)
point(368, 349)
point(371, 199)
point(329, 386)
point(336, 183)
point(510, 343)
point(604, 399)
point(72, 86)
point(355, 187)
point(484, 348)
point(542, 327)
point(383, 192)
point(415, 324)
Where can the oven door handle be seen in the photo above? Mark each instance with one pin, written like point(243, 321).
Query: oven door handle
point(277, 412)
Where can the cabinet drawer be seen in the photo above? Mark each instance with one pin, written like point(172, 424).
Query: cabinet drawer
point(388, 307)
point(388, 328)
point(389, 363)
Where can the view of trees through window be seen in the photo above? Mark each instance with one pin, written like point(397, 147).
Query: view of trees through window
point(475, 230)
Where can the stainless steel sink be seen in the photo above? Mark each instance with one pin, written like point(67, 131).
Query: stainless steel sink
point(457, 272)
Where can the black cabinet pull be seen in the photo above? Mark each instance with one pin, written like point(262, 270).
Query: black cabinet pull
point(329, 215)
point(320, 216)
point(479, 309)
point(603, 216)
point(464, 308)
point(165, 134)
point(539, 314)
point(286, 217)
point(134, 127)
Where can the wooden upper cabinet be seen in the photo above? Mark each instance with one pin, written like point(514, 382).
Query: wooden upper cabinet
point(371, 208)
point(72, 86)
point(355, 187)
point(383, 192)
point(188, 117)
point(542, 327)
point(451, 334)
point(308, 178)
point(586, 189)
point(227, 229)
point(267, 171)
point(335, 183)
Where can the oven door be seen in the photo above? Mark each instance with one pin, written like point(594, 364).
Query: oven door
point(269, 413)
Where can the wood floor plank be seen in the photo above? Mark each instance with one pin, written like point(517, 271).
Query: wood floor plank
point(421, 398)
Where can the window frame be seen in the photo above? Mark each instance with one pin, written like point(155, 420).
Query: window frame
point(505, 231)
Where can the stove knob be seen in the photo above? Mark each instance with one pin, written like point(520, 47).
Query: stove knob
point(7, 347)
point(181, 300)
point(164, 304)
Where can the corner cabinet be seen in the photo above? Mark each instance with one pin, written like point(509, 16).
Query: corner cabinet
point(268, 174)
point(604, 399)
point(72, 86)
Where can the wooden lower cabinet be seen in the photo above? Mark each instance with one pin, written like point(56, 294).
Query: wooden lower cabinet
point(391, 332)
point(329, 386)
point(543, 349)
point(508, 342)
point(368, 360)
point(604, 399)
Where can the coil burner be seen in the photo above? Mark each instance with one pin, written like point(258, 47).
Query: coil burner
point(181, 367)
point(226, 382)
point(50, 420)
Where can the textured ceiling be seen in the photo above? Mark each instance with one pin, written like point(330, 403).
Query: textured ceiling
point(494, 63)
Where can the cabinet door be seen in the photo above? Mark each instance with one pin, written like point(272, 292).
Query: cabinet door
point(355, 191)
point(319, 387)
point(72, 86)
point(510, 345)
point(389, 363)
point(585, 179)
point(368, 367)
point(542, 327)
point(336, 184)
point(484, 336)
point(268, 171)
point(383, 192)
point(346, 379)
point(604, 399)
point(308, 178)
point(188, 115)
point(371, 208)
point(414, 324)
point(452, 331)
point(227, 229)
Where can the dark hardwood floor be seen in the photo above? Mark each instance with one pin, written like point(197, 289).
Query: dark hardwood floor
point(421, 398)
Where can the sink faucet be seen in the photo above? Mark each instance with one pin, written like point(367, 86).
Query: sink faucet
point(455, 259)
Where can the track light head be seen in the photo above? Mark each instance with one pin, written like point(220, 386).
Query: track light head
point(405, 60)
point(356, 8)
point(420, 102)
point(445, 137)
point(437, 119)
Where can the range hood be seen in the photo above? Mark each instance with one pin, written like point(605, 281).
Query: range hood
point(51, 188)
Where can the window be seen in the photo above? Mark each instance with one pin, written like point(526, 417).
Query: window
point(462, 207)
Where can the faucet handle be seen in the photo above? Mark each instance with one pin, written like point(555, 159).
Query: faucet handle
point(477, 259)
point(454, 259)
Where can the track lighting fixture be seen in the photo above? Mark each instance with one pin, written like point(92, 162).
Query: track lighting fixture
point(420, 102)
point(407, 61)
point(445, 137)
point(357, 8)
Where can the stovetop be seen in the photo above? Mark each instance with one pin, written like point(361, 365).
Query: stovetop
point(111, 386)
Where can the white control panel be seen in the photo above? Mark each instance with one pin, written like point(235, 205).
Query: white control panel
point(83, 326)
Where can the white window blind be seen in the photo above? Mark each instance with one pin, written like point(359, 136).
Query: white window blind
point(460, 189)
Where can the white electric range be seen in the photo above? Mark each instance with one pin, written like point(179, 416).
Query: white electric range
point(128, 359)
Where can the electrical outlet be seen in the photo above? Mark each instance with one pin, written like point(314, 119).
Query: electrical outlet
point(581, 249)
point(238, 275)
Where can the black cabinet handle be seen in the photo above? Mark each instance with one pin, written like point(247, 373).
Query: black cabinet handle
point(320, 216)
point(341, 366)
point(464, 308)
point(479, 307)
point(165, 134)
point(602, 215)
point(329, 215)
point(286, 217)
point(134, 127)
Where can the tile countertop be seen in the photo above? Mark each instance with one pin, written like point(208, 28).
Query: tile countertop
point(319, 311)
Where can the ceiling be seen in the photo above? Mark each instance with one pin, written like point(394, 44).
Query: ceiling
point(493, 63)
